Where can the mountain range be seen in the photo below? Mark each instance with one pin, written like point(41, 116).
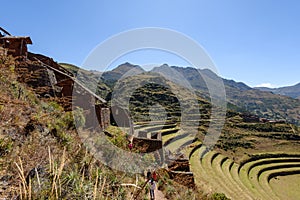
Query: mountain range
point(291, 91)
point(189, 72)
point(273, 104)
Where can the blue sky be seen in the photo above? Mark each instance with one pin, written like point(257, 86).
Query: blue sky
point(253, 41)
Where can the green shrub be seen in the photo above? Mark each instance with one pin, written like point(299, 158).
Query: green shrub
point(52, 107)
point(6, 145)
point(219, 196)
point(78, 117)
point(74, 119)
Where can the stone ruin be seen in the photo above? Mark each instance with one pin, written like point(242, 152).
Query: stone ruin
point(13, 45)
point(50, 80)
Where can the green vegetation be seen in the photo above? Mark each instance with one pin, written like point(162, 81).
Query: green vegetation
point(6, 145)
point(286, 187)
point(219, 196)
point(148, 96)
point(266, 127)
point(118, 137)
point(71, 68)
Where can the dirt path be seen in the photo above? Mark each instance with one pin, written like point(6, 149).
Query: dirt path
point(159, 195)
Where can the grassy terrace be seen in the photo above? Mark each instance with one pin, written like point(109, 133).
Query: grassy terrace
point(239, 172)
point(250, 180)
point(177, 144)
point(155, 127)
point(286, 187)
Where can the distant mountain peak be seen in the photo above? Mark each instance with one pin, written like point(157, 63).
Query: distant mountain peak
point(125, 67)
point(165, 65)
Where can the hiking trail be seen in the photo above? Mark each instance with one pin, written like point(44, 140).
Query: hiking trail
point(159, 195)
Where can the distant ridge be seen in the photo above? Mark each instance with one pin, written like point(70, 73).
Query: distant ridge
point(291, 91)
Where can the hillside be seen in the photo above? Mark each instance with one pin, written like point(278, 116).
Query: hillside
point(34, 135)
point(240, 97)
point(148, 89)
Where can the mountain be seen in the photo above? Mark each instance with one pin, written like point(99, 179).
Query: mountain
point(291, 91)
point(241, 97)
point(110, 77)
point(197, 78)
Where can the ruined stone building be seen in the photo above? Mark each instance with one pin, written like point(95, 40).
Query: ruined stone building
point(13, 45)
point(50, 80)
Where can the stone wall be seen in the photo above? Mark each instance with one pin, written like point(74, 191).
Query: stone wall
point(179, 171)
point(184, 178)
point(182, 165)
point(120, 117)
point(50, 80)
point(147, 145)
point(15, 46)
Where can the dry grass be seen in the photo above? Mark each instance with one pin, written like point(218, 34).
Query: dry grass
point(48, 163)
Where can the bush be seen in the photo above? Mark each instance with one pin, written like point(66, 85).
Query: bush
point(79, 118)
point(219, 196)
point(74, 119)
point(6, 145)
